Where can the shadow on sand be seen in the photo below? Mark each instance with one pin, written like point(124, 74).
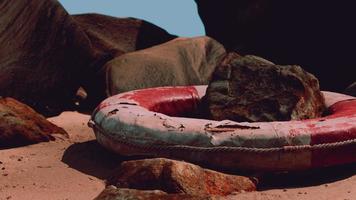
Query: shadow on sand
point(307, 178)
point(92, 159)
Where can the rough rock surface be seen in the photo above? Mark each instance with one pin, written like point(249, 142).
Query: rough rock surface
point(111, 37)
point(46, 54)
point(249, 88)
point(351, 90)
point(116, 36)
point(288, 33)
point(182, 61)
point(113, 193)
point(178, 177)
point(43, 54)
point(21, 125)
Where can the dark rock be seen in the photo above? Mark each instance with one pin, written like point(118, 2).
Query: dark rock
point(112, 37)
point(120, 35)
point(21, 125)
point(182, 61)
point(249, 88)
point(351, 90)
point(178, 177)
point(317, 35)
point(44, 54)
point(113, 193)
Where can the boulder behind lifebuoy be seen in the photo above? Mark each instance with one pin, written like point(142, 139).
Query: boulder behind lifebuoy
point(141, 122)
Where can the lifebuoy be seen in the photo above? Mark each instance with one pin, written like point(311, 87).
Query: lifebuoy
point(145, 122)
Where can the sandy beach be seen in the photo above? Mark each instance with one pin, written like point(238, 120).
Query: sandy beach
point(76, 169)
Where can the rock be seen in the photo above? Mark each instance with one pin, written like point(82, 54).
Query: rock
point(21, 125)
point(177, 177)
point(113, 193)
point(249, 88)
point(351, 90)
point(182, 61)
point(116, 36)
point(44, 54)
point(112, 37)
point(288, 33)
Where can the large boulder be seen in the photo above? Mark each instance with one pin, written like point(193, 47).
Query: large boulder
point(249, 88)
point(116, 36)
point(351, 90)
point(43, 54)
point(182, 61)
point(178, 177)
point(21, 125)
point(317, 35)
point(112, 37)
point(46, 54)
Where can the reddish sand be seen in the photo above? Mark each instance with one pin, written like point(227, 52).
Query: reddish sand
point(76, 169)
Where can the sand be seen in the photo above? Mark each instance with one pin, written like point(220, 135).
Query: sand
point(76, 168)
point(64, 169)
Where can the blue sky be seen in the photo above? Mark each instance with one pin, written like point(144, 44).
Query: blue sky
point(178, 17)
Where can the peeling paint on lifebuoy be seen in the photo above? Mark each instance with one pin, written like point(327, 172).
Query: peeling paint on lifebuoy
point(144, 124)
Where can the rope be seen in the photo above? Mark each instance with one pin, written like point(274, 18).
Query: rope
point(157, 147)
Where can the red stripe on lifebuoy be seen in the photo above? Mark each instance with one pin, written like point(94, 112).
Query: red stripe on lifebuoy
point(333, 156)
point(165, 100)
point(339, 126)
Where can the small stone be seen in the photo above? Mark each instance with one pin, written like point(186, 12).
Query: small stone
point(178, 177)
point(249, 88)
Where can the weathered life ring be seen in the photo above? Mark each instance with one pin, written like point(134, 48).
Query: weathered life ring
point(141, 122)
